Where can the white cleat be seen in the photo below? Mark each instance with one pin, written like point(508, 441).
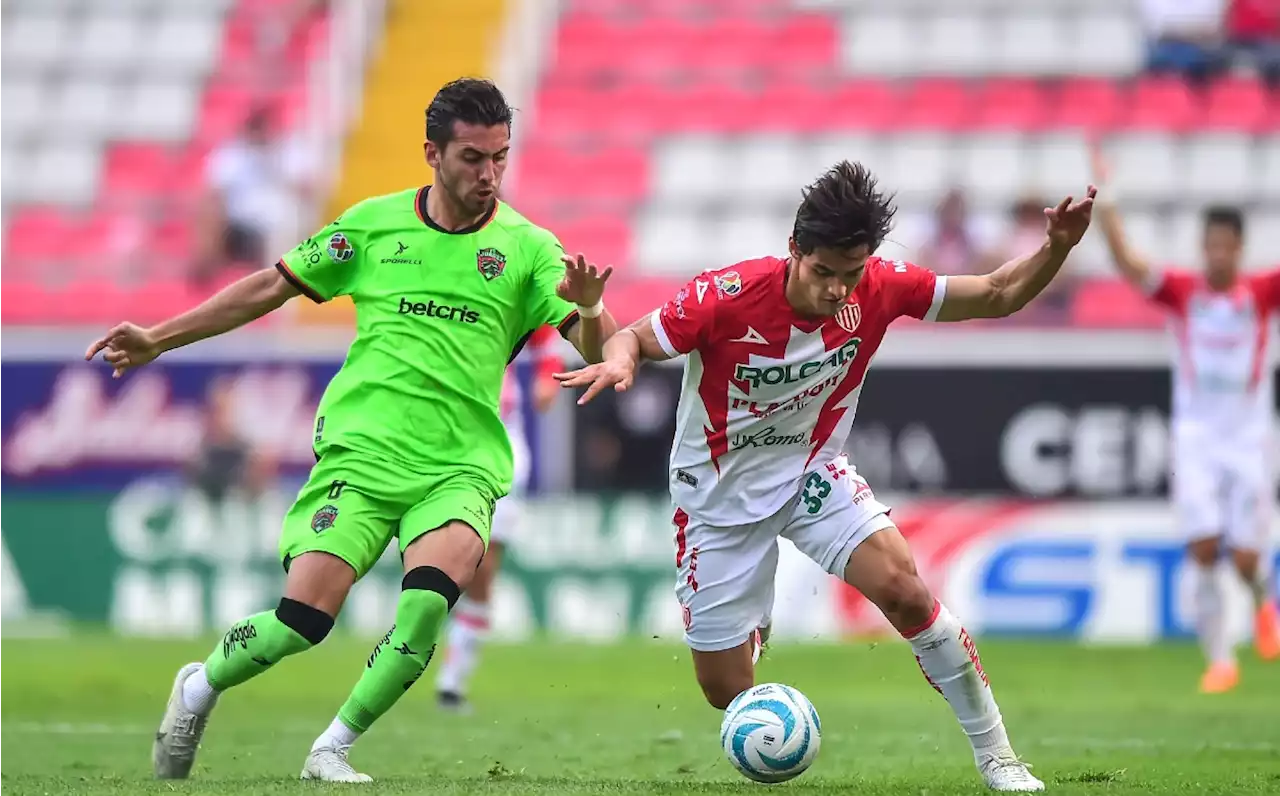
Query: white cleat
point(1004, 772)
point(178, 739)
point(330, 765)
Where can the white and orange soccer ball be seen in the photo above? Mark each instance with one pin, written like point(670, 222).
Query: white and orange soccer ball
point(771, 733)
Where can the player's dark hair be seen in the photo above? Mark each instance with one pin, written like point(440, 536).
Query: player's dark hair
point(470, 100)
point(1225, 216)
point(842, 209)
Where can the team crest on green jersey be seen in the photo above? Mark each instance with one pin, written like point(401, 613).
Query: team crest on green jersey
point(340, 249)
point(491, 263)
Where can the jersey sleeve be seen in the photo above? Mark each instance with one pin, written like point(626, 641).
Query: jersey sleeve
point(1171, 289)
point(545, 308)
point(327, 263)
point(1266, 289)
point(684, 323)
point(914, 291)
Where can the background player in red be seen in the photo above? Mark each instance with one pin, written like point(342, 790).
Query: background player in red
point(1222, 426)
point(777, 352)
point(471, 617)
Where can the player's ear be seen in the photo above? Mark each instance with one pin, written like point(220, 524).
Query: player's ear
point(793, 249)
point(432, 154)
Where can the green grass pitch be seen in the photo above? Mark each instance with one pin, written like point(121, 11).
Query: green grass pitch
point(78, 717)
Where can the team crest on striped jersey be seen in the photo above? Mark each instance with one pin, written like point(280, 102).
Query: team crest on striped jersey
point(849, 316)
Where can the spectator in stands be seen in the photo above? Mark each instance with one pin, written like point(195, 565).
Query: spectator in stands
point(952, 247)
point(1253, 32)
point(255, 184)
point(226, 462)
point(1184, 36)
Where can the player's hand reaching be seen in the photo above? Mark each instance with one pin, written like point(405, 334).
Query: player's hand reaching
point(1068, 221)
point(583, 284)
point(618, 374)
point(127, 346)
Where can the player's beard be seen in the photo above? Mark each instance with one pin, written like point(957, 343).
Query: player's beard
point(471, 206)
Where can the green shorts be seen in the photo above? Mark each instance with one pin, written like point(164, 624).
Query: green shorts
point(352, 506)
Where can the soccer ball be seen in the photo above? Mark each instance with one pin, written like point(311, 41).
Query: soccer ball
point(771, 733)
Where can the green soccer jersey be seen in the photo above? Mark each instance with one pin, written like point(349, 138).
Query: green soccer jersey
point(439, 315)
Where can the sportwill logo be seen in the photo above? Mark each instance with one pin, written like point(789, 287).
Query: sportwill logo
point(430, 309)
point(766, 438)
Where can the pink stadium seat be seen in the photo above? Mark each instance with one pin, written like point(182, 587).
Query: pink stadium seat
point(25, 302)
point(1113, 304)
point(936, 104)
point(1242, 104)
point(1084, 104)
point(1011, 105)
point(604, 238)
point(1160, 104)
point(732, 46)
point(222, 111)
point(865, 105)
point(806, 40)
point(136, 171)
point(35, 234)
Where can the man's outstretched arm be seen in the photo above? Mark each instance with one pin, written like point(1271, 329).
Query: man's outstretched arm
point(623, 352)
point(1013, 285)
point(129, 346)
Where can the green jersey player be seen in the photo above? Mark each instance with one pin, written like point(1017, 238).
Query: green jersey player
point(447, 282)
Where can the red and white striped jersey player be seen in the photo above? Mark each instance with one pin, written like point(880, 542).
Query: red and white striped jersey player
point(778, 349)
point(1223, 423)
point(472, 614)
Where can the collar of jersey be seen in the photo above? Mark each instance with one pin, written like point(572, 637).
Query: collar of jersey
point(420, 205)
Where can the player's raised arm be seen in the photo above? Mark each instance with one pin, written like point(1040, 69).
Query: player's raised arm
point(1013, 285)
point(583, 284)
point(1131, 264)
point(128, 345)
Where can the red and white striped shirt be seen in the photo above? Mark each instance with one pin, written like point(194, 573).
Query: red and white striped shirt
point(1222, 382)
point(770, 395)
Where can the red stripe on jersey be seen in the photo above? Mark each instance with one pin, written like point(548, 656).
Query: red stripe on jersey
point(681, 521)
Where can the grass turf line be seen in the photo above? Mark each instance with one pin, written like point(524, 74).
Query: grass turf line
point(78, 717)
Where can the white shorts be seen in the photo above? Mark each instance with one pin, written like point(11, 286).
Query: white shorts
point(725, 576)
point(507, 515)
point(1224, 491)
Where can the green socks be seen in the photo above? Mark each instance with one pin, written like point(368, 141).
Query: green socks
point(402, 655)
point(256, 644)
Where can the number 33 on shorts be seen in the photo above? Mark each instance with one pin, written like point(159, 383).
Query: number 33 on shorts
point(820, 485)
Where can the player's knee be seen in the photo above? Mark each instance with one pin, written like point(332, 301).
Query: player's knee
point(1204, 552)
point(905, 599)
point(426, 595)
point(310, 623)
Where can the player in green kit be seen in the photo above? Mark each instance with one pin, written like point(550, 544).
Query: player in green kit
point(448, 282)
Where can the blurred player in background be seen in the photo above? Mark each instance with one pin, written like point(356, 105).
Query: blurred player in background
point(1222, 424)
point(469, 623)
point(778, 351)
point(448, 283)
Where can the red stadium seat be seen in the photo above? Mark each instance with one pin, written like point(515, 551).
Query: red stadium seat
point(1113, 304)
point(1160, 104)
point(137, 171)
point(1011, 105)
point(605, 239)
point(936, 104)
point(1242, 104)
point(805, 40)
point(1085, 104)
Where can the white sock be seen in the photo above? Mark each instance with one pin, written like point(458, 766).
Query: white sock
point(1211, 615)
point(468, 627)
point(950, 662)
point(197, 695)
point(337, 736)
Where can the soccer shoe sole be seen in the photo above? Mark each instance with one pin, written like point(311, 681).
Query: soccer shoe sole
point(164, 762)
